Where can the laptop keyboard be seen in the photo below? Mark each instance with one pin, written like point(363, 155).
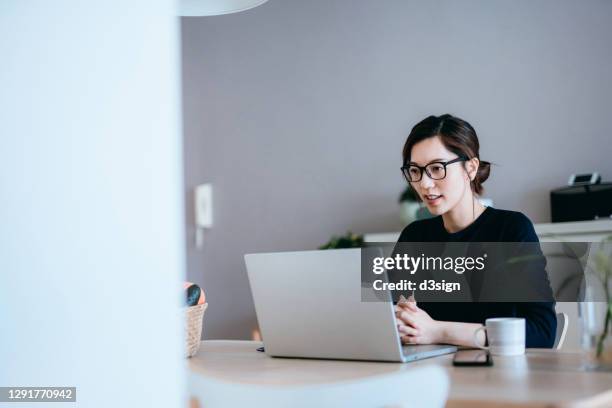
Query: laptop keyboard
point(420, 348)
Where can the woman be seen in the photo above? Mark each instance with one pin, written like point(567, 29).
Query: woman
point(442, 164)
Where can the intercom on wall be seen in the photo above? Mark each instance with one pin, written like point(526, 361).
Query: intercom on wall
point(203, 211)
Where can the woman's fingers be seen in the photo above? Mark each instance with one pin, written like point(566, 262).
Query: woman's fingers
point(399, 309)
point(411, 306)
point(407, 305)
point(407, 330)
point(410, 340)
point(402, 309)
point(406, 317)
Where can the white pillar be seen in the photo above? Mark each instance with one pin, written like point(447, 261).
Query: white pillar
point(91, 213)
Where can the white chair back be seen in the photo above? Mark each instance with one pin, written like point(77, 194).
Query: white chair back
point(562, 323)
point(413, 387)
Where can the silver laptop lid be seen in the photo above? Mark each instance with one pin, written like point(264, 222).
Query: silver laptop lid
point(308, 304)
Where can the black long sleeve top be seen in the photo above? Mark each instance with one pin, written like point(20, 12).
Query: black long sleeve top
point(493, 225)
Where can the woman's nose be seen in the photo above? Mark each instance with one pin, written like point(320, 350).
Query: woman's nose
point(426, 182)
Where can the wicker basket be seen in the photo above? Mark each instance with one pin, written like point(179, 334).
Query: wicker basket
point(194, 316)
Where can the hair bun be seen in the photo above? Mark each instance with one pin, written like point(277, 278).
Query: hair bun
point(484, 169)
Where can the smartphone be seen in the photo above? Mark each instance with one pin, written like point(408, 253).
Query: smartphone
point(472, 358)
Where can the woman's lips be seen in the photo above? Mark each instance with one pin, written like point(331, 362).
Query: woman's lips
point(433, 199)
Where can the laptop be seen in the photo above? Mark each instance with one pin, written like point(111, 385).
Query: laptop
point(308, 305)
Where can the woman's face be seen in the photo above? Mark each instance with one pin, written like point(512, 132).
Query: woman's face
point(443, 195)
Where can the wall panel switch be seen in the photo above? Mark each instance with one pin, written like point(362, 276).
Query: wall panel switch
point(203, 206)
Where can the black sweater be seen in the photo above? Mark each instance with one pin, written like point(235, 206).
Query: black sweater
point(492, 225)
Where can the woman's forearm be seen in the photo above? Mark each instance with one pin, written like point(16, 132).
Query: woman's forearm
point(461, 334)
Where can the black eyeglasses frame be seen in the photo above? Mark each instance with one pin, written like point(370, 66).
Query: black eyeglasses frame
point(405, 169)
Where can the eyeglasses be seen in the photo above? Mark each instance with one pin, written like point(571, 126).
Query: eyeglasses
point(435, 170)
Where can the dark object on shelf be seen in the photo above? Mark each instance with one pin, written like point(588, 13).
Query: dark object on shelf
point(582, 179)
point(581, 203)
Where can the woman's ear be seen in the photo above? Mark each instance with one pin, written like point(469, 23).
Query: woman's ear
point(471, 166)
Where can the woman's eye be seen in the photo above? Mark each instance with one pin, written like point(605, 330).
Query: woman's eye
point(414, 171)
point(436, 168)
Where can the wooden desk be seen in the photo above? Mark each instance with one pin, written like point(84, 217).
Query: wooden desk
point(541, 378)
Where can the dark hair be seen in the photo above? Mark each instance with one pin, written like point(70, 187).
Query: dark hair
point(457, 135)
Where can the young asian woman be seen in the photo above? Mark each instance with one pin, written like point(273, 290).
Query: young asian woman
point(441, 163)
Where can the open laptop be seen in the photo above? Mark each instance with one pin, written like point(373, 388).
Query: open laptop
point(308, 305)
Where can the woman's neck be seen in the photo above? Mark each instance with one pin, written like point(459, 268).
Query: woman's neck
point(463, 214)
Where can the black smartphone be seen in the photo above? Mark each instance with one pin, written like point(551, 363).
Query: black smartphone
point(472, 358)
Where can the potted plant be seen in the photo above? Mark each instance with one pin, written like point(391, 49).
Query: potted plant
point(409, 205)
point(596, 311)
point(349, 240)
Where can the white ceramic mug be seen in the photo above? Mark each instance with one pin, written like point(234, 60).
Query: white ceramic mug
point(506, 336)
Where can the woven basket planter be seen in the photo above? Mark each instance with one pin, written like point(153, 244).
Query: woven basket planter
point(194, 316)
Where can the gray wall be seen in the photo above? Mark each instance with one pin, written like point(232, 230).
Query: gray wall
point(296, 112)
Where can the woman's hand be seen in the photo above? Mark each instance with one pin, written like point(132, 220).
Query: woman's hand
point(415, 325)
